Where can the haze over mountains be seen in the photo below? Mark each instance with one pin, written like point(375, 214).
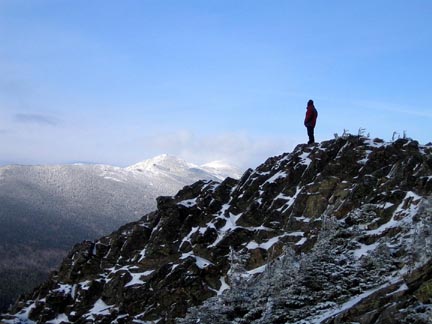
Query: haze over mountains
point(45, 210)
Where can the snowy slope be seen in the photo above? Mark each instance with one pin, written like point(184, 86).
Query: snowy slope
point(44, 210)
point(83, 191)
point(169, 168)
point(337, 232)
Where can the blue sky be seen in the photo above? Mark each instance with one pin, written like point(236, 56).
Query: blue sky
point(117, 82)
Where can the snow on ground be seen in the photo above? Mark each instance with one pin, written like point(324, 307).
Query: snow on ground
point(64, 289)
point(136, 278)
point(260, 269)
point(364, 249)
point(345, 306)
point(188, 202)
point(199, 261)
point(277, 176)
point(403, 213)
point(270, 242)
point(230, 224)
point(99, 308)
point(224, 286)
point(305, 159)
point(366, 158)
point(303, 219)
point(301, 241)
point(290, 200)
point(22, 317)
point(187, 238)
point(142, 255)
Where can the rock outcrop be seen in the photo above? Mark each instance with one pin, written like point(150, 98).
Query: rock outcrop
point(338, 232)
point(46, 209)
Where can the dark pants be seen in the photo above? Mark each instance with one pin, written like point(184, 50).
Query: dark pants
point(310, 131)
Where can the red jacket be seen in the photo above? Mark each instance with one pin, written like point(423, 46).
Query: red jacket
point(311, 116)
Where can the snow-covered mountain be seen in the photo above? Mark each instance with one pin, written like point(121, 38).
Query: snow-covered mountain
point(169, 167)
point(337, 232)
point(82, 191)
point(44, 210)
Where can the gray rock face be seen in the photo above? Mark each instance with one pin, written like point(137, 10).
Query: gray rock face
point(338, 232)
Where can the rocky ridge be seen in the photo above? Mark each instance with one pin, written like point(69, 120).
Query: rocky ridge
point(46, 209)
point(338, 232)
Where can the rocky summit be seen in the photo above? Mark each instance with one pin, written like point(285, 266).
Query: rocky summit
point(337, 232)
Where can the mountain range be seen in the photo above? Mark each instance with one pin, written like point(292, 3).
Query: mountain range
point(335, 232)
point(45, 210)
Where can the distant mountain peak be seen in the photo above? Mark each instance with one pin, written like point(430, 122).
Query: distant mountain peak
point(87, 199)
point(168, 164)
point(164, 161)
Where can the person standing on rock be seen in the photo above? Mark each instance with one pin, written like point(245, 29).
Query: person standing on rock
point(310, 120)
